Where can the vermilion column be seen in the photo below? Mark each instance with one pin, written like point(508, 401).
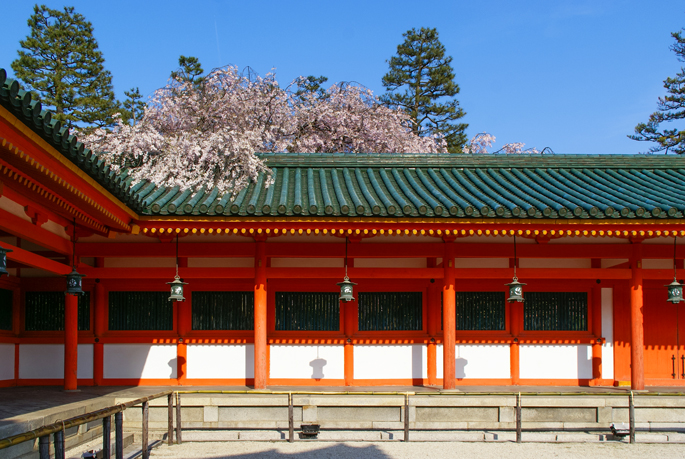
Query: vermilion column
point(100, 326)
point(70, 341)
point(637, 364)
point(516, 322)
point(350, 313)
point(448, 319)
point(260, 358)
point(433, 324)
point(597, 331)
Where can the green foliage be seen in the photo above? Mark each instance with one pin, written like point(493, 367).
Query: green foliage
point(134, 107)
point(60, 62)
point(189, 70)
point(669, 108)
point(311, 85)
point(421, 81)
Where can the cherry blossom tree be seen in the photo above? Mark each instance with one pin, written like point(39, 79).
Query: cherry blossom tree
point(207, 132)
point(480, 143)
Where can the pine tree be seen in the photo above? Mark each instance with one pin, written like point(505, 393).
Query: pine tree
point(189, 70)
point(133, 106)
point(61, 63)
point(421, 81)
point(669, 108)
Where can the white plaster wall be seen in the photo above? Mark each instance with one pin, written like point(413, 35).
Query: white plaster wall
point(608, 333)
point(555, 263)
point(144, 361)
point(220, 361)
point(652, 263)
point(307, 362)
point(609, 262)
point(221, 262)
point(481, 263)
point(390, 362)
point(390, 263)
point(85, 361)
point(41, 361)
point(555, 361)
point(6, 361)
point(307, 262)
point(128, 262)
point(482, 361)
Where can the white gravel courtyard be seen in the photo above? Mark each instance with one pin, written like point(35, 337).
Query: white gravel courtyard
point(429, 450)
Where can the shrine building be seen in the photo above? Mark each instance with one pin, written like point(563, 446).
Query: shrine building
point(429, 242)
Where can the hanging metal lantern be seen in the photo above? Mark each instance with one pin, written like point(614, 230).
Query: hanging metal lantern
point(346, 290)
point(675, 292)
point(177, 288)
point(346, 286)
point(177, 284)
point(675, 288)
point(3, 261)
point(74, 282)
point(515, 291)
point(515, 287)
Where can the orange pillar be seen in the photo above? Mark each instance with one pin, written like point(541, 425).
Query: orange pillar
point(350, 320)
point(70, 341)
point(516, 323)
point(433, 324)
point(597, 331)
point(637, 364)
point(448, 319)
point(100, 326)
point(260, 357)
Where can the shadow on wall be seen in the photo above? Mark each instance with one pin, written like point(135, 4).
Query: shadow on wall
point(249, 361)
point(584, 361)
point(460, 367)
point(417, 363)
point(317, 368)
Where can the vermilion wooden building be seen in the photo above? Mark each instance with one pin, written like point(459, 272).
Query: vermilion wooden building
point(429, 241)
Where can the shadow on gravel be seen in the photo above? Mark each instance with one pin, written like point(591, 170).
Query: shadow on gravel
point(341, 451)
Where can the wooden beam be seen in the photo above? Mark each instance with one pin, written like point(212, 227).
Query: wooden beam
point(354, 273)
point(30, 232)
point(35, 261)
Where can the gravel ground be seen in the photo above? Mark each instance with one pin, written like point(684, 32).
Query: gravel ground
point(396, 450)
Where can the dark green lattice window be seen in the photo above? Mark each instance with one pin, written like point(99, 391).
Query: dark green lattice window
point(389, 311)
point(140, 311)
point(45, 311)
point(480, 310)
point(223, 310)
point(6, 297)
point(562, 311)
point(307, 311)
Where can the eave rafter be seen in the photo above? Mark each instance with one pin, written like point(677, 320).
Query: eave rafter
point(27, 156)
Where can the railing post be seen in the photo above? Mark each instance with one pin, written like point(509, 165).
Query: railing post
point(406, 417)
point(518, 418)
point(291, 423)
point(58, 440)
point(631, 417)
point(178, 419)
point(170, 414)
point(146, 413)
point(106, 437)
point(119, 434)
point(44, 447)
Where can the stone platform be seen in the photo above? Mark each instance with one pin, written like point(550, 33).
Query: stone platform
point(548, 413)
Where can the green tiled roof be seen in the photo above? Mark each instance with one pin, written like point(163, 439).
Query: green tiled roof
point(443, 186)
point(399, 185)
point(30, 112)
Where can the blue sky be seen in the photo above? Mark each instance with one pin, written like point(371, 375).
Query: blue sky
point(576, 76)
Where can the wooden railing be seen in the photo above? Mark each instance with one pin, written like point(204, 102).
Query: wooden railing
point(57, 429)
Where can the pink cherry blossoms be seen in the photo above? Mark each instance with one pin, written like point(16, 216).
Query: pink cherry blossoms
point(480, 143)
point(206, 134)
